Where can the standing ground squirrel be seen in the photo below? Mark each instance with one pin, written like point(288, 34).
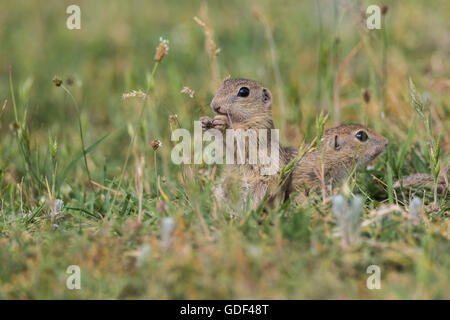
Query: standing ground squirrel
point(246, 104)
point(342, 148)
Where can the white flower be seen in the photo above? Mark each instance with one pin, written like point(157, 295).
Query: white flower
point(167, 227)
point(414, 207)
point(143, 252)
point(348, 217)
point(56, 206)
point(165, 42)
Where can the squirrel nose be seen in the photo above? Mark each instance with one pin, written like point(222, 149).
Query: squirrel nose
point(215, 106)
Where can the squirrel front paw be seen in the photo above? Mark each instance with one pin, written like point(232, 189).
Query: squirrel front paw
point(219, 122)
point(207, 123)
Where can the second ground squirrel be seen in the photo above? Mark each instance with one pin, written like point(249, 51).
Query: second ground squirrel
point(423, 180)
point(342, 148)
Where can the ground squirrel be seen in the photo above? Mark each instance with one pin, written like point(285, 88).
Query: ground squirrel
point(342, 148)
point(246, 104)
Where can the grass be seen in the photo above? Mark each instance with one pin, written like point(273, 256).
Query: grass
point(142, 227)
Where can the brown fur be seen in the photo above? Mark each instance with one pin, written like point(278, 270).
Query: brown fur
point(339, 152)
point(340, 148)
point(252, 112)
point(426, 180)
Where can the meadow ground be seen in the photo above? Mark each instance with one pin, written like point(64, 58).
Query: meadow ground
point(139, 226)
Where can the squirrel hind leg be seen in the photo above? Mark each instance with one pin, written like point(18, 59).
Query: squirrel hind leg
point(255, 194)
point(220, 195)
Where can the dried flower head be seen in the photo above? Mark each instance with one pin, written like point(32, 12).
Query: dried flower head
point(69, 81)
point(173, 119)
point(156, 144)
point(135, 94)
point(188, 91)
point(57, 81)
point(366, 96)
point(257, 13)
point(384, 9)
point(162, 49)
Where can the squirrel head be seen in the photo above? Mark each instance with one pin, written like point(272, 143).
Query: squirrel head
point(354, 141)
point(244, 101)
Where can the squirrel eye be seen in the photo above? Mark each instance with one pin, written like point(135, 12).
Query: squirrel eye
point(243, 92)
point(361, 136)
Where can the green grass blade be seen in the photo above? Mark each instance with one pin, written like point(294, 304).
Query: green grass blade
point(77, 158)
point(405, 145)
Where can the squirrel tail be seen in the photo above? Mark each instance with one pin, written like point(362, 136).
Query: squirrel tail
point(426, 180)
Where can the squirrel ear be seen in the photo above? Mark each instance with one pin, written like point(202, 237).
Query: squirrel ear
point(337, 143)
point(266, 96)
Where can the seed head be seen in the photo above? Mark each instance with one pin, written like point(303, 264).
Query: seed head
point(57, 81)
point(173, 119)
point(135, 94)
point(69, 81)
point(366, 96)
point(156, 144)
point(257, 14)
point(162, 49)
point(188, 91)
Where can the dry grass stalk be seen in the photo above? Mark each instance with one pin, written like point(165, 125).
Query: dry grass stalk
point(339, 77)
point(135, 94)
point(115, 192)
point(3, 108)
point(276, 69)
point(139, 184)
point(210, 46)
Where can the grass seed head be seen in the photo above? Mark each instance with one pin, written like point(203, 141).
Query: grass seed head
point(188, 91)
point(57, 81)
point(366, 96)
point(161, 50)
point(156, 144)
